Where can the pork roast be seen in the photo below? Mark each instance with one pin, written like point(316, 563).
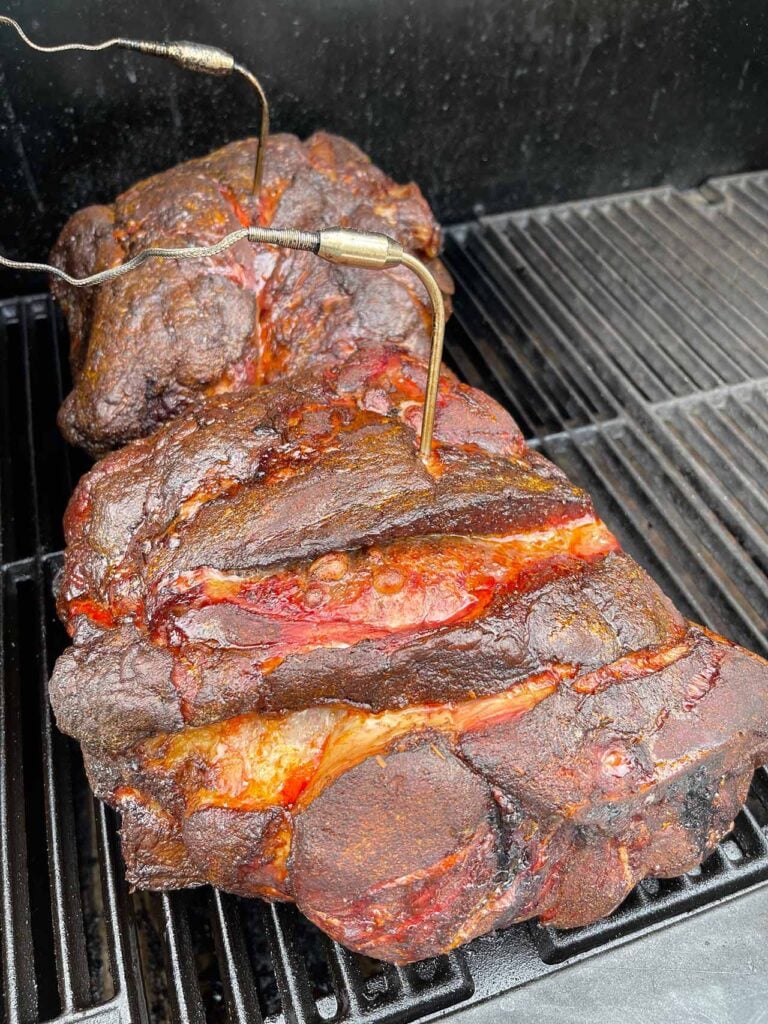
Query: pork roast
point(421, 701)
point(146, 346)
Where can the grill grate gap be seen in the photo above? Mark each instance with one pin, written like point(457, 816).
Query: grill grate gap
point(207, 973)
point(45, 398)
point(18, 530)
point(757, 800)
point(146, 911)
point(236, 974)
point(311, 948)
point(41, 921)
point(260, 960)
point(94, 913)
point(79, 802)
point(16, 941)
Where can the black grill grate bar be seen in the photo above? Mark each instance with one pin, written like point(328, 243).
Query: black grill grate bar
point(184, 990)
point(56, 349)
point(468, 354)
point(729, 467)
point(54, 470)
point(562, 360)
point(715, 397)
point(121, 930)
point(571, 374)
point(694, 266)
point(16, 482)
point(757, 410)
point(237, 976)
point(69, 936)
point(347, 981)
point(479, 334)
point(663, 321)
point(694, 333)
point(395, 995)
point(29, 422)
point(51, 353)
point(759, 185)
point(745, 208)
point(757, 194)
point(732, 335)
point(611, 361)
point(542, 401)
point(633, 323)
point(697, 530)
point(763, 403)
point(742, 216)
point(698, 243)
point(45, 942)
point(721, 201)
point(759, 792)
point(404, 979)
point(750, 836)
point(6, 464)
point(705, 562)
point(526, 301)
point(298, 1005)
point(712, 442)
point(118, 921)
point(451, 981)
point(749, 234)
point(33, 459)
point(586, 459)
point(693, 220)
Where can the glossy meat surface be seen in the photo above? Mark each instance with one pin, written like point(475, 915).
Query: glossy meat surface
point(421, 701)
point(151, 344)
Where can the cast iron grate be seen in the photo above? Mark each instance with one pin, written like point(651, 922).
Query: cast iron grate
point(628, 337)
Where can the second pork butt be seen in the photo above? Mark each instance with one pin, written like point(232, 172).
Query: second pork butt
point(421, 701)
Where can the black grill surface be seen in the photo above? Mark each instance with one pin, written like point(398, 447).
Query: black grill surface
point(628, 336)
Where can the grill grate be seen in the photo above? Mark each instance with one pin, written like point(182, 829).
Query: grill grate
point(628, 337)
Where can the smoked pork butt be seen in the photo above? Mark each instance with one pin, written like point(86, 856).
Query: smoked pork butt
point(421, 701)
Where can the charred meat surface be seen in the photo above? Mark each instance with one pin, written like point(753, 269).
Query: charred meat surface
point(148, 345)
point(421, 701)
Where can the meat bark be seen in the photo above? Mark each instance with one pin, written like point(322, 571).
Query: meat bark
point(421, 701)
point(149, 345)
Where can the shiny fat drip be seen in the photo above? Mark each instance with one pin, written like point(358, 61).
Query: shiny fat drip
point(342, 598)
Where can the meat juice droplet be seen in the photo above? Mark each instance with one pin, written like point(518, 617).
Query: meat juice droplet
point(388, 581)
point(330, 567)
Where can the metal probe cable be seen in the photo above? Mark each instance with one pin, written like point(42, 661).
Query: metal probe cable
point(367, 249)
point(193, 56)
